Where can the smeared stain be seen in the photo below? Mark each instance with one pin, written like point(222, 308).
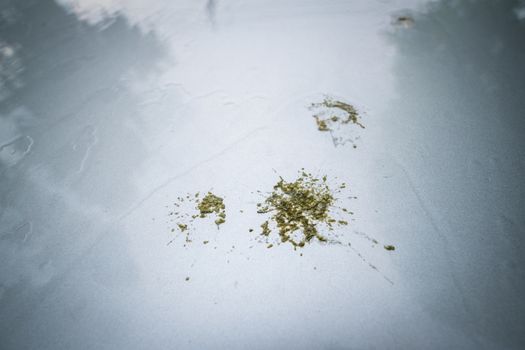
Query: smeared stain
point(337, 118)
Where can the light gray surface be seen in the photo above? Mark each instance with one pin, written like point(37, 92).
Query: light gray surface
point(110, 109)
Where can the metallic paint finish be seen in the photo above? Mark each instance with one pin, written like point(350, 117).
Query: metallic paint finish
point(110, 109)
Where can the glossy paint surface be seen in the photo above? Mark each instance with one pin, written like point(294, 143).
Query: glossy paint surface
point(111, 109)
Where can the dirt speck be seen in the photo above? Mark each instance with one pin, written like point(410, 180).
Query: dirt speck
point(404, 21)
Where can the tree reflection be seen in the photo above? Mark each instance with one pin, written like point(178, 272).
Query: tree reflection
point(68, 149)
point(460, 80)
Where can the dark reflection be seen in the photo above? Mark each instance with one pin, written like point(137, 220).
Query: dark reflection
point(461, 85)
point(68, 150)
point(211, 8)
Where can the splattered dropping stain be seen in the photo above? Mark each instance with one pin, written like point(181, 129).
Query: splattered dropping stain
point(297, 213)
point(337, 118)
point(212, 204)
point(298, 209)
point(192, 207)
